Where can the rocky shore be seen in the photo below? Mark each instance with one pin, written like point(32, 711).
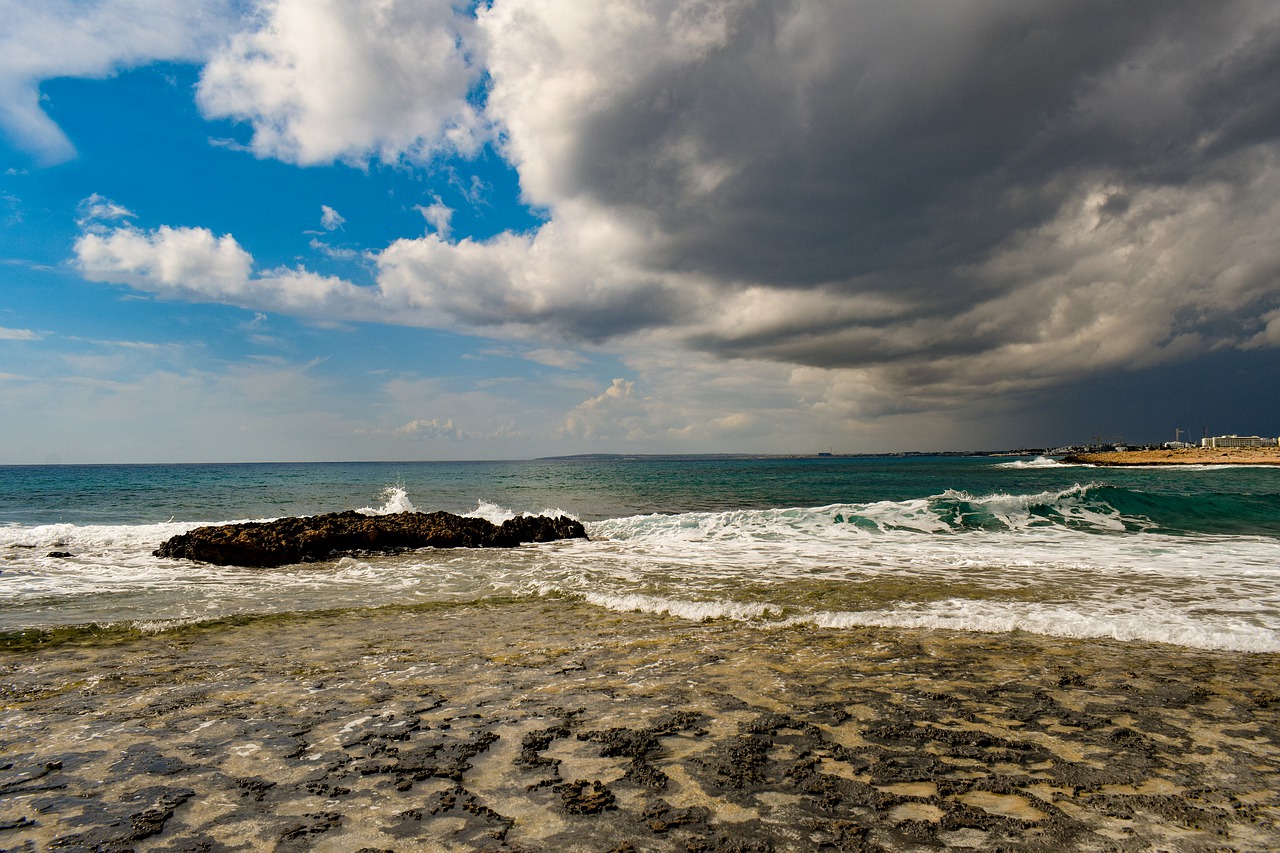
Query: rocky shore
point(266, 544)
point(1183, 456)
point(555, 726)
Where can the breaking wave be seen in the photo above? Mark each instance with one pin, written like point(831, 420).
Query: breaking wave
point(1089, 508)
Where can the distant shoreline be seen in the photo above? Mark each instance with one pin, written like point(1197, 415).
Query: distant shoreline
point(1183, 456)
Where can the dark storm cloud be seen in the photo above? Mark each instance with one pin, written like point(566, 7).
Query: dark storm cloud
point(1008, 176)
point(863, 138)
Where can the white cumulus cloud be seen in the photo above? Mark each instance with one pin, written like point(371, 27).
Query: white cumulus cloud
point(352, 80)
point(178, 260)
point(196, 264)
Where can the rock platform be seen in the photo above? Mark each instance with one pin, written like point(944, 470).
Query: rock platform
point(555, 726)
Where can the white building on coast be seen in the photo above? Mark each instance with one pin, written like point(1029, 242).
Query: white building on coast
point(1238, 441)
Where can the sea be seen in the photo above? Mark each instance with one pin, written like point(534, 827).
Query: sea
point(1186, 555)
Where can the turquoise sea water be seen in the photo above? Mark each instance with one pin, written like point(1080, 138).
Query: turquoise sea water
point(1188, 555)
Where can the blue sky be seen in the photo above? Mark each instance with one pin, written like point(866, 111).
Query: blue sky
point(297, 230)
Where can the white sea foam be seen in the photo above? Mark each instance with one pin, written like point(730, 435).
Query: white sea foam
point(1166, 625)
point(497, 514)
point(394, 499)
point(949, 512)
point(491, 512)
point(1159, 625)
point(1038, 462)
point(89, 537)
point(697, 611)
point(159, 626)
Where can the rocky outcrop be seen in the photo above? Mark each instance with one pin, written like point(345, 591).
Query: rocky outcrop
point(320, 537)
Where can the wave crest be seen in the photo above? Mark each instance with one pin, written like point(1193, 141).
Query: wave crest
point(1087, 508)
point(1039, 463)
point(395, 499)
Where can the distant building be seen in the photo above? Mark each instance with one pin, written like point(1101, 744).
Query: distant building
point(1176, 445)
point(1238, 441)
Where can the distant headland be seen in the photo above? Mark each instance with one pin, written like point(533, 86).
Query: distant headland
point(1180, 456)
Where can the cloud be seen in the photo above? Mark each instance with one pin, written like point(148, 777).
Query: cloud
point(89, 38)
point(901, 207)
point(474, 190)
point(421, 428)
point(330, 219)
point(483, 416)
point(945, 202)
point(702, 404)
point(616, 413)
point(227, 411)
point(129, 345)
point(195, 264)
point(175, 260)
point(326, 80)
point(96, 211)
point(426, 282)
point(563, 359)
point(335, 253)
point(437, 215)
point(706, 404)
point(574, 278)
point(1269, 336)
point(13, 207)
point(181, 262)
point(18, 335)
point(230, 144)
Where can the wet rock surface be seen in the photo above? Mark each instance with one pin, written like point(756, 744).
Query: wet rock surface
point(532, 726)
point(266, 544)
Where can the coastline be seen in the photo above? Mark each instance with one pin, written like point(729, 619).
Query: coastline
point(1183, 456)
point(529, 725)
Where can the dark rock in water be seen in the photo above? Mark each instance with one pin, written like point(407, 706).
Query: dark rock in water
point(320, 537)
point(60, 554)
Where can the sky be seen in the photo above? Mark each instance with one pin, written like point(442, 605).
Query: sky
point(279, 230)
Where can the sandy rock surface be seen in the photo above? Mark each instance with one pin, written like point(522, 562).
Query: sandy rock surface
point(559, 727)
point(1184, 456)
